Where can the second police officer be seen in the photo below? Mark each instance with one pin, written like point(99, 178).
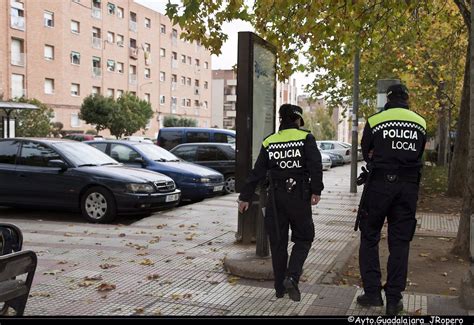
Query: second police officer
point(292, 162)
point(392, 143)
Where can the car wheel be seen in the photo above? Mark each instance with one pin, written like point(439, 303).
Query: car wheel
point(98, 205)
point(229, 184)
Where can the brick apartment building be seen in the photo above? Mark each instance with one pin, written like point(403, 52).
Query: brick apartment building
point(60, 51)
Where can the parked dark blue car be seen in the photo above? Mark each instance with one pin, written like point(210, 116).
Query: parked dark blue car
point(195, 182)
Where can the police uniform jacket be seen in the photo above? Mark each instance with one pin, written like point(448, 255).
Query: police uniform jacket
point(291, 152)
point(397, 137)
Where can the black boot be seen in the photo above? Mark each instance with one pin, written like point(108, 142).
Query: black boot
point(370, 300)
point(292, 288)
point(280, 293)
point(393, 308)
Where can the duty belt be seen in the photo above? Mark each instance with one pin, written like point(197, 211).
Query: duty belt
point(394, 177)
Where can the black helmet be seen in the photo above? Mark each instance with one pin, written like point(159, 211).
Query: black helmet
point(291, 112)
point(397, 91)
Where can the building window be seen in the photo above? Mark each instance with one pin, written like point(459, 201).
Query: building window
point(174, 34)
point(163, 29)
point(48, 19)
point(197, 62)
point(189, 60)
point(188, 102)
point(196, 82)
point(75, 27)
point(183, 81)
point(147, 98)
point(205, 104)
point(110, 37)
point(17, 17)
point(75, 122)
point(120, 40)
point(147, 47)
point(162, 76)
point(49, 52)
point(49, 86)
point(95, 90)
point(111, 65)
point(111, 8)
point(75, 89)
point(119, 67)
point(17, 52)
point(206, 85)
point(174, 56)
point(75, 58)
point(163, 52)
point(162, 99)
point(18, 85)
point(110, 93)
point(206, 65)
point(120, 12)
point(183, 102)
point(147, 73)
point(183, 58)
point(147, 23)
point(188, 81)
point(119, 93)
point(196, 104)
point(96, 67)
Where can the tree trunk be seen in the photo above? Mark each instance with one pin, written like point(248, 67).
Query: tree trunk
point(442, 136)
point(458, 170)
point(462, 242)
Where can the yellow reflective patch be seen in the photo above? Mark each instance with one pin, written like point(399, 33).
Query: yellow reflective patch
point(286, 135)
point(396, 114)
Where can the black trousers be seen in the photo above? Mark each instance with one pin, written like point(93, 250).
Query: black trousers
point(397, 202)
point(294, 209)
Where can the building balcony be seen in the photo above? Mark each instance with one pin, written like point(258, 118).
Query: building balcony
point(134, 53)
point(96, 13)
point(17, 22)
point(232, 82)
point(231, 98)
point(18, 59)
point(97, 42)
point(230, 113)
point(132, 79)
point(96, 72)
point(18, 93)
point(132, 25)
point(174, 85)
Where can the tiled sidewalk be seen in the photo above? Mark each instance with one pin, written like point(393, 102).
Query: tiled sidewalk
point(171, 264)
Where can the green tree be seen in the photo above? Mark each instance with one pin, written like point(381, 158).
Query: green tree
point(320, 124)
point(172, 120)
point(57, 129)
point(130, 115)
point(34, 123)
point(97, 110)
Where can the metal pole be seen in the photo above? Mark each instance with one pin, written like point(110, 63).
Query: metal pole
point(8, 123)
point(355, 122)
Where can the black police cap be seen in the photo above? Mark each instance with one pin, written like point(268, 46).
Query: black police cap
point(397, 90)
point(292, 111)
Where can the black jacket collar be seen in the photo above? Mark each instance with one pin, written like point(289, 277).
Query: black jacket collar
point(396, 104)
point(288, 126)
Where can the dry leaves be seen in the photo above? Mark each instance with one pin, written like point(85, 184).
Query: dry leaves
point(233, 280)
point(424, 254)
point(106, 287)
point(122, 235)
point(152, 277)
point(106, 266)
point(147, 262)
point(40, 294)
point(53, 272)
point(161, 226)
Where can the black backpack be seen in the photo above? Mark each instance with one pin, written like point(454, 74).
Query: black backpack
point(11, 239)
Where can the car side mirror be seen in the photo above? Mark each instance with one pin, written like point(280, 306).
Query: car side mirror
point(58, 164)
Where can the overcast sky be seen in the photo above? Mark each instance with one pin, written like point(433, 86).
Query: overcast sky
point(229, 50)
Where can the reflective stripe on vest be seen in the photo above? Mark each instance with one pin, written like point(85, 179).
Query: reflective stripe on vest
point(287, 135)
point(397, 114)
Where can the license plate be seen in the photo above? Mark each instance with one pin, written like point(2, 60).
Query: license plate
point(171, 198)
point(218, 188)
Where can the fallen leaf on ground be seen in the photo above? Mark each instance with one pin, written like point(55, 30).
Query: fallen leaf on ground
point(105, 287)
point(187, 296)
point(53, 272)
point(190, 257)
point(144, 253)
point(62, 262)
point(139, 310)
point(152, 277)
point(418, 311)
point(233, 280)
point(175, 296)
point(443, 259)
point(147, 262)
point(424, 254)
point(182, 226)
point(107, 266)
point(86, 283)
point(445, 274)
point(67, 234)
point(180, 253)
point(157, 312)
point(161, 226)
point(453, 289)
point(122, 235)
point(93, 278)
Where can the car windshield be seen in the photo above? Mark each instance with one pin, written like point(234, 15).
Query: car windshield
point(156, 153)
point(81, 154)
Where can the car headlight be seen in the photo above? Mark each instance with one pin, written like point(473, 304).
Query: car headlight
point(140, 188)
point(204, 180)
point(326, 160)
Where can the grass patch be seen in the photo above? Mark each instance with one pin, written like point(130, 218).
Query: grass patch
point(434, 179)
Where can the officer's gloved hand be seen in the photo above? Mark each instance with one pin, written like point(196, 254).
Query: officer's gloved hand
point(362, 176)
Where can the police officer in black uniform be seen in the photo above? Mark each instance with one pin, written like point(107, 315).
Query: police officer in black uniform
point(392, 144)
point(292, 162)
